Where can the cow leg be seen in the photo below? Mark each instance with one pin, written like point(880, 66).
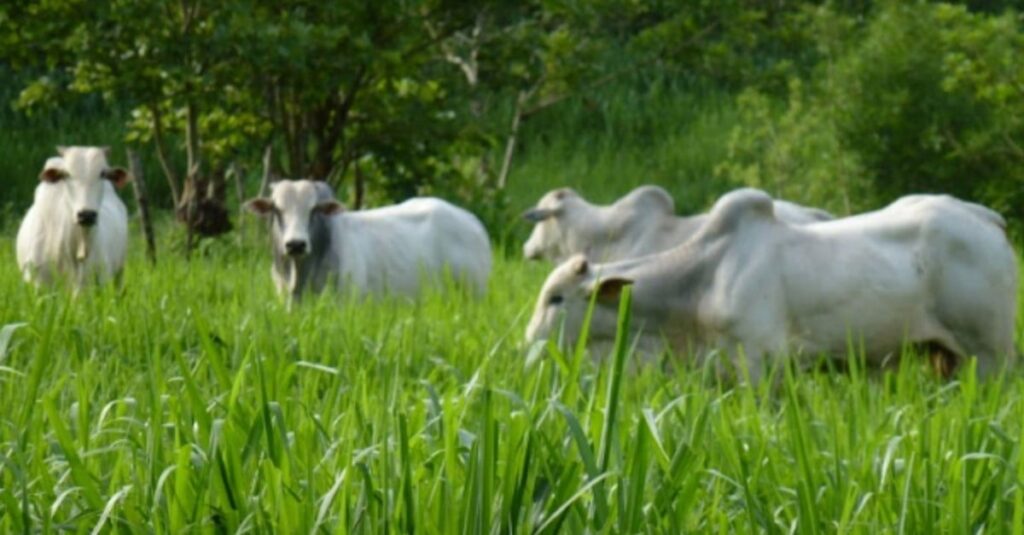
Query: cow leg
point(943, 361)
point(747, 357)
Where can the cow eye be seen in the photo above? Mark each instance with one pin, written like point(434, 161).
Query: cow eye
point(53, 175)
point(555, 300)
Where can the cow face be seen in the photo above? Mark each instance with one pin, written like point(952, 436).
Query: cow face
point(82, 173)
point(565, 297)
point(293, 204)
point(548, 237)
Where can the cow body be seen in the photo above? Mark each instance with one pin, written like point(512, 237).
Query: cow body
point(642, 222)
point(391, 250)
point(926, 269)
point(77, 226)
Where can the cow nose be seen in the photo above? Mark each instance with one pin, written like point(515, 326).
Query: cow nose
point(87, 218)
point(295, 247)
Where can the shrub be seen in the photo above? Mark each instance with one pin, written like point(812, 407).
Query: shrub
point(920, 98)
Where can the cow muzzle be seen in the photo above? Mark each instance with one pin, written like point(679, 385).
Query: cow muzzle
point(87, 218)
point(296, 248)
point(536, 215)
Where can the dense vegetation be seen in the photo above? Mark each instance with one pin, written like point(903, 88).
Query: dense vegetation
point(844, 105)
point(192, 400)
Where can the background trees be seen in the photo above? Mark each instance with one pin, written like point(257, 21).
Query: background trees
point(840, 104)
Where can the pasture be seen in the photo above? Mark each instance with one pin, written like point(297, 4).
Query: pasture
point(192, 400)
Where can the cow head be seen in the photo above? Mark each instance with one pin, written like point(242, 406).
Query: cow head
point(565, 296)
point(293, 204)
point(547, 240)
point(83, 173)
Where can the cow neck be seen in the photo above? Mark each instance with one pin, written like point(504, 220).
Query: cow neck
point(675, 277)
point(350, 227)
point(590, 231)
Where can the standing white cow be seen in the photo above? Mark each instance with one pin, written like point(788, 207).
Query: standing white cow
point(77, 226)
point(927, 269)
point(642, 222)
point(385, 250)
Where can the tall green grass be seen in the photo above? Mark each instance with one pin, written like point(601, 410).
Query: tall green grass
point(192, 400)
point(623, 136)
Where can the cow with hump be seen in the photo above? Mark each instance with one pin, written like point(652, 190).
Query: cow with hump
point(391, 250)
point(77, 226)
point(642, 222)
point(927, 269)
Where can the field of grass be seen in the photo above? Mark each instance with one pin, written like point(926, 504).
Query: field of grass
point(191, 400)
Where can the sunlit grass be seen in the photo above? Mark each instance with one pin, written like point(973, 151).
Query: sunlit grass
point(192, 400)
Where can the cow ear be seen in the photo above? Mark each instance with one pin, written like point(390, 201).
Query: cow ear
point(580, 265)
point(330, 207)
point(260, 206)
point(118, 176)
point(51, 174)
point(609, 290)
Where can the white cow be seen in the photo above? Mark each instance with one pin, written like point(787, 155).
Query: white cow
point(77, 226)
point(641, 223)
point(927, 269)
point(385, 250)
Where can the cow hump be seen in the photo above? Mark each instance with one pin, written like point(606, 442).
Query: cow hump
point(738, 207)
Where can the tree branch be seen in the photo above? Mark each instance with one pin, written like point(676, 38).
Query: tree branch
point(161, 154)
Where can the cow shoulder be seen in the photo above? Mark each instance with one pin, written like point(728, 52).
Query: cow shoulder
point(647, 199)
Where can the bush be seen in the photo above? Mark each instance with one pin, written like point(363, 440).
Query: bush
point(795, 153)
point(921, 98)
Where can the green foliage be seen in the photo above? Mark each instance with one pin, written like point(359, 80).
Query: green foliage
point(920, 97)
point(795, 153)
point(27, 140)
point(844, 104)
point(191, 400)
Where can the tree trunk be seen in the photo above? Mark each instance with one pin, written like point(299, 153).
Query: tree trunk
point(510, 143)
point(192, 190)
point(357, 203)
point(161, 154)
point(202, 206)
point(141, 200)
point(236, 174)
point(267, 161)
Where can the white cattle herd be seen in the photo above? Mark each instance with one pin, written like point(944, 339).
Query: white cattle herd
point(754, 278)
point(926, 269)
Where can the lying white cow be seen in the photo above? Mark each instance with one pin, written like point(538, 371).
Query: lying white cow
point(927, 269)
point(77, 226)
point(384, 250)
point(641, 223)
